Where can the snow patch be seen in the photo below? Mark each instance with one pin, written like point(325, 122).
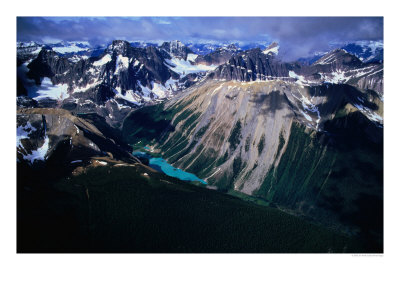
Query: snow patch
point(172, 84)
point(191, 57)
point(129, 96)
point(184, 67)
point(300, 79)
point(77, 58)
point(47, 90)
point(373, 116)
point(220, 86)
point(40, 153)
point(146, 92)
point(122, 63)
point(309, 106)
point(306, 115)
point(105, 59)
point(23, 133)
point(338, 77)
point(274, 50)
point(136, 63)
point(159, 90)
point(326, 60)
point(71, 47)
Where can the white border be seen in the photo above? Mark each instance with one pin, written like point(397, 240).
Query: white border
point(198, 276)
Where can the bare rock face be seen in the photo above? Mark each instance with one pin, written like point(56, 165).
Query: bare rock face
point(233, 133)
point(225, 128)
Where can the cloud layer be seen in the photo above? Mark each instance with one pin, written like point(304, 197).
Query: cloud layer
point(298, 36)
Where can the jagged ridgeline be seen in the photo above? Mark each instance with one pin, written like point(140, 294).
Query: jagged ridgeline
point(321, 158)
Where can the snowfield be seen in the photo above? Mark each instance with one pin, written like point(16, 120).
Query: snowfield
point(121, 64)
point(184, 67)
point(129, 96)
point(39, 153)
point(191, 57)
point(23, 133)
point(274, 50)
point(47, 90)
point(105, 59)
point(72, 47)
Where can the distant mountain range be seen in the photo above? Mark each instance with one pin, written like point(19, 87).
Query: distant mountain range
point(366, 51)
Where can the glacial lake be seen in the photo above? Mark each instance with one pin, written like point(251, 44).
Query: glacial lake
point(160, 164)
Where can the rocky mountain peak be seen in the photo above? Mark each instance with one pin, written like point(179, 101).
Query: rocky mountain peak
point(119, 47)
point(230, 48)
point(339, 57)
point(176, 44)
point(272, 49)
point(219, 56)
point(176, 48)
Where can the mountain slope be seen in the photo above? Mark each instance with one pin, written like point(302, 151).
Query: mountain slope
point(288, 143)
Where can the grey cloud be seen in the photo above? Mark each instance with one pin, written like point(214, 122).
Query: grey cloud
point(298, 36)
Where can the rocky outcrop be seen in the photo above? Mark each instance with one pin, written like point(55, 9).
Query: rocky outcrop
point(55, 136)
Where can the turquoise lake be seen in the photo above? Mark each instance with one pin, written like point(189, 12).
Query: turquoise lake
point(160, 164)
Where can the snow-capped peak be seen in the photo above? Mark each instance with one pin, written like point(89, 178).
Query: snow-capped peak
point(272, 49)
point(176, 44)
point(119, 47)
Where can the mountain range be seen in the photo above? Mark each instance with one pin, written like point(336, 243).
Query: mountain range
point(302, 139)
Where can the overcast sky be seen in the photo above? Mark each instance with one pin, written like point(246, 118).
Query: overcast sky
point(297, 36)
